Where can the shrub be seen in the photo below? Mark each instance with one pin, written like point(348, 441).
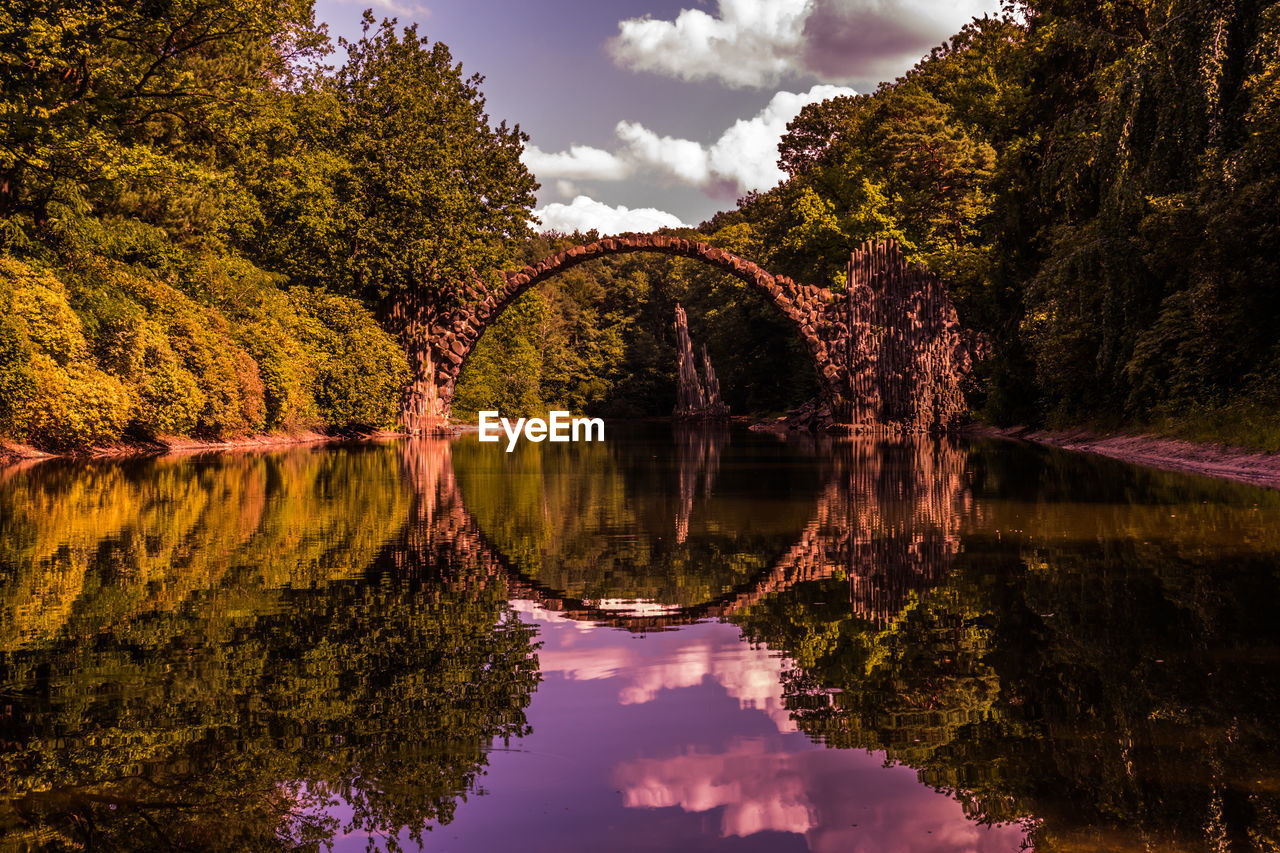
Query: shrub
point(200, 338)
point(167, 398)
point(54, 395)
point(359, 367)
point(139, 354)
point(17, 381)
point(72, 407)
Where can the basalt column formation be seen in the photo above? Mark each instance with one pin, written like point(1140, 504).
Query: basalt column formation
point(697, 398)
point(909, 356)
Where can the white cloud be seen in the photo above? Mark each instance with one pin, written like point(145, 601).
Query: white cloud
point(580, 162)
point(744, 158)
point(682, 158)
point(583, 214)
point(748, 151)
point(749, 44)
point(758, 42)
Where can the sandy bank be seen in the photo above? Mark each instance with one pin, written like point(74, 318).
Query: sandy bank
point(1210, 460)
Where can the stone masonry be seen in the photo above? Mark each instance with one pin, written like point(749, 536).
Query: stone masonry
point(859, 386)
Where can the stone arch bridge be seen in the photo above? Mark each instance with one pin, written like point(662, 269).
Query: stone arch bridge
point(888, 350)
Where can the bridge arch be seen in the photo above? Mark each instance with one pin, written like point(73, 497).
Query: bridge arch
point(816, 313)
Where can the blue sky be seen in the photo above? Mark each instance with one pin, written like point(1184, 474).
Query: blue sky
point(643, 113)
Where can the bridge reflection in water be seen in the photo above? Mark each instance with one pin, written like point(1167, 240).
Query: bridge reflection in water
point(887, 522)
point(880, 520)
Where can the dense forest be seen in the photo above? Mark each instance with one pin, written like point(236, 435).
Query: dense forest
point(202, 224)
point(1097, 181)
point(207, 231)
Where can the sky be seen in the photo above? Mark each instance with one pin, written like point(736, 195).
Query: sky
point(650, 113)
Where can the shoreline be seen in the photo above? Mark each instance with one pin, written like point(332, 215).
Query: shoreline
point(13, 453)
point(1170, 454)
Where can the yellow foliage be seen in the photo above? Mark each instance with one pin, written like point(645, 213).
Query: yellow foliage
point(67, 401)
point(133, 353)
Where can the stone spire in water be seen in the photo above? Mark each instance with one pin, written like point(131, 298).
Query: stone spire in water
point(690, 399)
point(715, 408)
point(698, 397)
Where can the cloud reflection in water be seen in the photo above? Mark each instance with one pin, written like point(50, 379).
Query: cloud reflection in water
point(760, 780)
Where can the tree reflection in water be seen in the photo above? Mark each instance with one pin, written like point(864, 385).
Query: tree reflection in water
point(1098, 655)
point(208, 655)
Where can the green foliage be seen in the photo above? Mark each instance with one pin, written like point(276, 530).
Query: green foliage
point(358, 368)
point(126, 106)
point(1148, 284)
point(505, 371)
point(176, 166)
point(144, 359)
point(398, 194)
point(598, 338)
point(1099, 183)
point(202, 345)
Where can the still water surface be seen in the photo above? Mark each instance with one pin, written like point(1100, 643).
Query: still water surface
point(676, 640)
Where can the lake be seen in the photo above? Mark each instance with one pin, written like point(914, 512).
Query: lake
point(677, 639)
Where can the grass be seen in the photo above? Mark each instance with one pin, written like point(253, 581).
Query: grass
point(1252, 423)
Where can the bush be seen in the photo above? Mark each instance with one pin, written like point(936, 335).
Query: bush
point(118, 349)
point(17, 380)
point(265, 324)
point(359, 367)
point(72, 407)
point(168, 399)
point(200, 338)
point(54, 395)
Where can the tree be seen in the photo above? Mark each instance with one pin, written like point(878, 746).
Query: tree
point(111, 105)
point(417, 191)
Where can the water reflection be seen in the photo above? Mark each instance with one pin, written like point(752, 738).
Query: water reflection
point(887, 524)
point(764, 785)
point(881, 645)
point(698, 449)
point(1099, 659)
point(212, 654)
point(882, 515)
